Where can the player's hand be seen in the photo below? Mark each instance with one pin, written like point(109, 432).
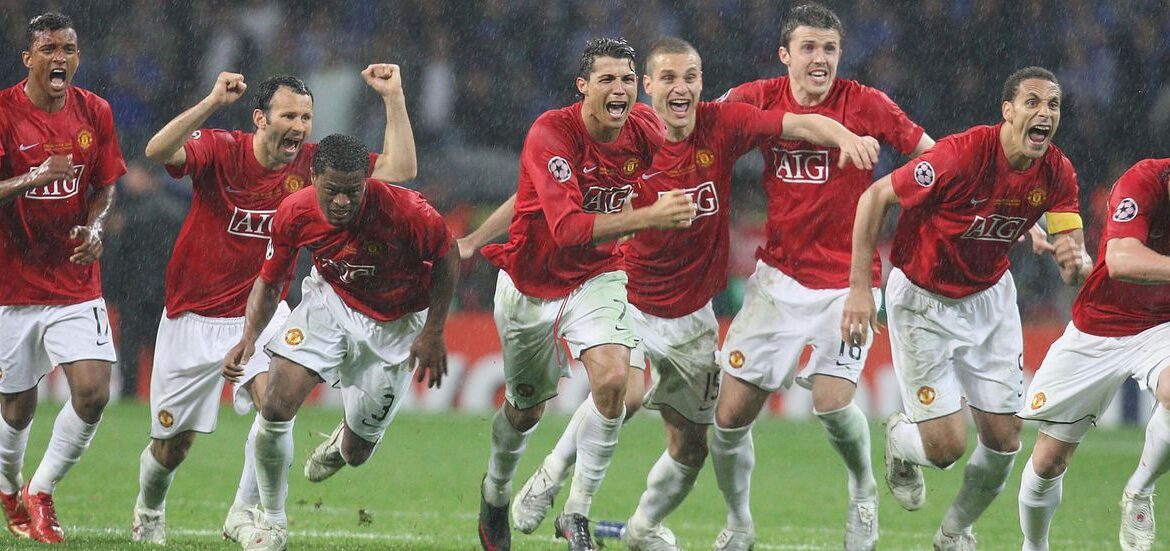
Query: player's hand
point(1069, 256)
point(236, 359)
point(467, 248)
point(228, 88)
point(673, 210)
point(1039, 237)
point(90, 248)
point(428, 354)
point(384, 78)
point(861, 151)
point(56, 167)
point(859, 318)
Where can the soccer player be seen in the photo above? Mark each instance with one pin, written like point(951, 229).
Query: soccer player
point(1120, 328)
point(373, 310)
point(60, 160)
point(954, 325)
point(238, 179)
point(795, 296)
point(560, 279)
point(675, 273)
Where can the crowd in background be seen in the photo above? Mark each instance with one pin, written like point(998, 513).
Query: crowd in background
point(477, 73)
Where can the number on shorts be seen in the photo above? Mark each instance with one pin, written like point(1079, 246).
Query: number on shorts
point(103, 325)
point(711, 389)
point(854, 351)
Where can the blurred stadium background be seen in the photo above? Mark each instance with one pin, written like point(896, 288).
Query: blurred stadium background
point(477, 74)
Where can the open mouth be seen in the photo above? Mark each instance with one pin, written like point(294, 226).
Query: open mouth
point(819, 75)
point(1039, 134)
point(340, 214)
point(290, 146)
point(616, 109)
point(679, 106)
point(57, 78)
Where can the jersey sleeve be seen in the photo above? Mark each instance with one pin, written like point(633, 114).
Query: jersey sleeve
point(551, 162)
point(928, 178)
point(1064, 213)
point(1133, 199)
point(750, 126)
point(888, 123)
point(428, 230)
point(200, 149)
point(110, 163)
point(744, 93)
point(281, 256)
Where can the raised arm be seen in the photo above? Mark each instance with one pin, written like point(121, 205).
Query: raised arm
point(429, 351)
point(398, 162)
point(860, 314)
point(166, 146)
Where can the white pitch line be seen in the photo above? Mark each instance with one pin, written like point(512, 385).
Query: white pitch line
point(309, 534)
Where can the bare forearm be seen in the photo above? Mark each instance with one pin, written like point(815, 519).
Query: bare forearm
point(495, 225)
point(815, 129)
point(14, 187)
point(871, 209)
point(167, 142)
point(262, 303)
point(607, 227)
point(100, 207)
point(444, 278)
point(398, 161)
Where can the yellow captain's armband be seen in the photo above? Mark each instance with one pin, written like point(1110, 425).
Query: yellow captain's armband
point(1060, 222)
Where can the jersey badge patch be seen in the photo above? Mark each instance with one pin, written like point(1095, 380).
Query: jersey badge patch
point(1037, 196)
point(293, 183)
point(1126, 210)
point(294, 337)
point(560, 169)
point(1038, 401)
point(735, 359)
point(924, 174)
point(704, 158)
point(926, 395)
point(84, 139)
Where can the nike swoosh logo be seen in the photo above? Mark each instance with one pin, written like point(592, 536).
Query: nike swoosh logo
point(588, 169)
point(649, 175)
point(24, 147)
point(705, 408)
point(234, 190)
point(839, 364)
point(975, 201)
point(102, 343)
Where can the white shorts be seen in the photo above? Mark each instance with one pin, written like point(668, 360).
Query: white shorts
point(1081, 374)
point(682, 356)
point(946, 349)
point(37, 338)
point(366, 358)
point(532, 330)
point(187, 378)
point(778, 319)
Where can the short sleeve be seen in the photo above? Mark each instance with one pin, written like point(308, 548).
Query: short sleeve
point(888, 123)
point(1134, 197)
point(549, 159)
point(428, 230)
point(281, 255)
point(200, 149)
point(928, 178)
point(110, 163)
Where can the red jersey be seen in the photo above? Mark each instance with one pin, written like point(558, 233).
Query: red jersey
point(221, 246)
point(1139, 207)
point(379, 264)
point(566, 179)
point(812, 202)
point(675, 272)
point(34, 227)
point(963, 206)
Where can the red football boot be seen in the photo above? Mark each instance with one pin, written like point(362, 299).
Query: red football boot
point(43, 525)
point(15, 514)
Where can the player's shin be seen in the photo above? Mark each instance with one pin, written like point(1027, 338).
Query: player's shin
point(597, 439)
point(508, 446)
point(848, 432)
point(1038, 500)
point(984, 478)
point(733, 456)
point(12, 445)
point(248, 493)
point(667, 485)
point(154, 480)
point(1155, 459)
point(274, 452)
point(71, 437)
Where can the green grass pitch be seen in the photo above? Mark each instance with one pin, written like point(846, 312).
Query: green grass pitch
point(419, 491)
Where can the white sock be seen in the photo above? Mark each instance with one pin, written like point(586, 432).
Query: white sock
point(1155, 458)
point(1038, 499)
point(248, 492)
point(12, 445)
point(507, 446)
point(984, 477)
point(564, 454)
point(667, 486)
point(597, 438)
point(906, 441)
point(734, 456)
point(153, 482)
point(848, 432)
point(274, 454)
point(71, 437)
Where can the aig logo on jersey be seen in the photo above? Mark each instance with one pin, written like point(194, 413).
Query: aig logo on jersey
point(605, 200)
point(1005, 229)
point(57, 189)
point(801, 167)
point(704, 197)
point(251, 223)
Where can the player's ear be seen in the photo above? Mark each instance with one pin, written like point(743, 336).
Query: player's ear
point(26, 58)
point(1008, 110)
point(783, 54)
point(646, 84)
point(259, 119)
point(581, 85)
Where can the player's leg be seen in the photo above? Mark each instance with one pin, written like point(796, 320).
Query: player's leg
point(289, 384)
point(733, 454)
point(1137, 507)
point(245, 508)
point(986, 472)
point(1041, 483)
point(156, 471)
point(669, 482)
point(16, 413)
point(607, 366)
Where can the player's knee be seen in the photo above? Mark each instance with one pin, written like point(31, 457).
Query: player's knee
point(632, 406)
point(945, 454)
point(523, 419)
point(89, 403)
point(170, 453)
point(356, 451)
point(276, 410)
point(1049, 466)
point(689, 452)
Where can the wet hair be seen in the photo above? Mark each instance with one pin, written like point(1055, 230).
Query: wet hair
point(341, 153)
point(671, 45)
point(1012, 85)
point(616, 48)
point(50, 21)
point(809, 15)
point(270, 85)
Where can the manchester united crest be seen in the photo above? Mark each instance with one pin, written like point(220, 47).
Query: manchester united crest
point(373, 247)
point(294, 337)
point(1038, 400)
point(926, 395)
point(630, 166)
point(84, 139)
point(166, 419)
point(1037, 196)
point(704, 158)
point(735, 359)
point(293, 183)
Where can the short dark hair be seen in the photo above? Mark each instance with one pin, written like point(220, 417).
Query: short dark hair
point(616, 48)
point(342, 153)
point(1012, 85)
point(50, 21)
point(270, 85)
point(671, 45)
point(809, 15)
